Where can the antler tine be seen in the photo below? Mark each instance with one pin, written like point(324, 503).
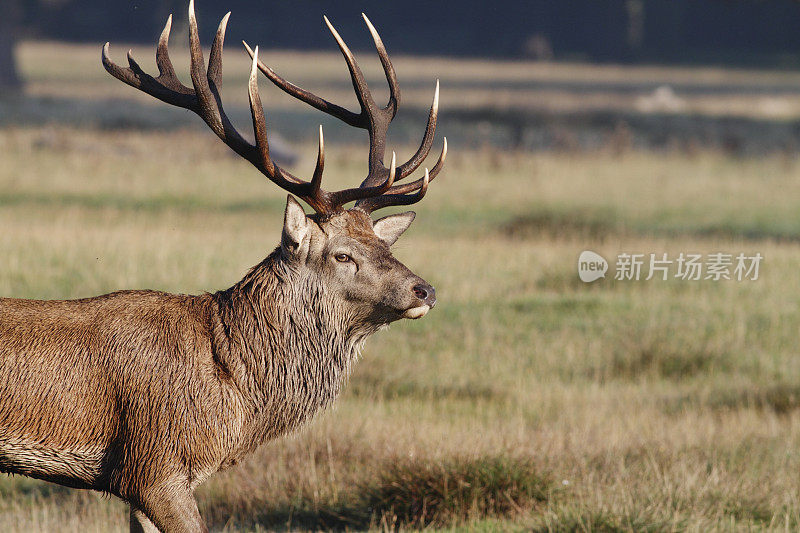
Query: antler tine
point(416, 184)
point(259, 120)
point(271, 170)
point(427, 139)
point(388, 69)
point(316, 180)
point(165, 68)
point(210, 111)
point(359, 83)
point(215, 57)
point(166, 87)
point(311, 192)
point(345, 115)
point(378, 202)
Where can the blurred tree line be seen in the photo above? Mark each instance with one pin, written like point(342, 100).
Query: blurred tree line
point(730, 32)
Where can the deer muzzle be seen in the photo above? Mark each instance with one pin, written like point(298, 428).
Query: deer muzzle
point(426, 295)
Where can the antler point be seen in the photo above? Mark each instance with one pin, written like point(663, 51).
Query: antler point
point(392, 171)
point(104, 55)
point(164, 37)
point(253, 81)
point(223, 24)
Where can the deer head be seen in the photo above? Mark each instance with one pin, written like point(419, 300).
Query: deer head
point(343, 248)
point(348, 255)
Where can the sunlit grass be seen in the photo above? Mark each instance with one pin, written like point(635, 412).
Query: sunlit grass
point(646, 405)
point(553, 405)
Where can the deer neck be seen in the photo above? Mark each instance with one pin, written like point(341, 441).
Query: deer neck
point(286, 345)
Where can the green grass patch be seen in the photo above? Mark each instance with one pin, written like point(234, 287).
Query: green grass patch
point(407, 494)
point(421, 493)
point(594, 224)
point(574, 519)
point(778, 398)
point(373, 386)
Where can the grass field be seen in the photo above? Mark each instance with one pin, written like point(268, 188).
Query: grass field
point(526, 400)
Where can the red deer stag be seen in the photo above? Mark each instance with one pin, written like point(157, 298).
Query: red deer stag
point(143, 394)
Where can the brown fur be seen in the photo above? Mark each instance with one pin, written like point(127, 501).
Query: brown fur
point(144, 394)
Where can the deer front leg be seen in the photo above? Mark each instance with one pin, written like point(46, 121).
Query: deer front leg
point(140, 523)
point(167, 510)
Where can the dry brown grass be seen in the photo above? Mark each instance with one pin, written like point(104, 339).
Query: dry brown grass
point(658, 405)
point(616, 406)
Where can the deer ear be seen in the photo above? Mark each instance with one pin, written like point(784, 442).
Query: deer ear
point(389, 229)
point(295, 227)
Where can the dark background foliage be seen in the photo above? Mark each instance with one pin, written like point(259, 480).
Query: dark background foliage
point(683, 31)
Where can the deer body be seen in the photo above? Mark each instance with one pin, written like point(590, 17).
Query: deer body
point(159, 382)
point(145, 394)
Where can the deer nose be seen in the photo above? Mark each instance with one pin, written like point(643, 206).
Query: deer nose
point(426, 293)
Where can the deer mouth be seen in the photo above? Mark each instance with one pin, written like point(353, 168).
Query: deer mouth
point(417, 312)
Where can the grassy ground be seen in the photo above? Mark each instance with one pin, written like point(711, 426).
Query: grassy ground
point(526, 400)
point(617, 406)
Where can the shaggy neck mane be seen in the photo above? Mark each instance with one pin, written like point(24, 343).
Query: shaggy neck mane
point(285, 343)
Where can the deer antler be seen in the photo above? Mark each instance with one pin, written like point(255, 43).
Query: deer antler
point(376, 121)
point(376, 191)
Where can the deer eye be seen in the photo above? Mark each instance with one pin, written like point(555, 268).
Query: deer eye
point(343, 258)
